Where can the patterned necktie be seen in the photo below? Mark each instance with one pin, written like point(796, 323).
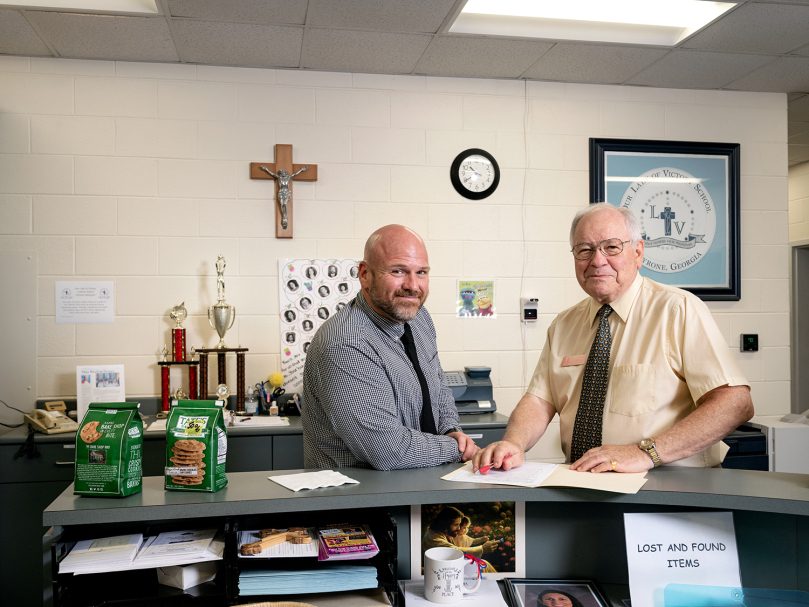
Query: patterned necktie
point(587, 428)
point(426, 419)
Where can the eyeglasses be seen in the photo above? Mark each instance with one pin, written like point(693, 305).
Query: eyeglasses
point(610, 248)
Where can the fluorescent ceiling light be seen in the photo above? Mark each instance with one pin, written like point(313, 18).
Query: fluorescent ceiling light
point(104, 6)
point(658, 22)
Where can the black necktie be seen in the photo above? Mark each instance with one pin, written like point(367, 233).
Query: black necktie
point(427, 422)
point(589, 417)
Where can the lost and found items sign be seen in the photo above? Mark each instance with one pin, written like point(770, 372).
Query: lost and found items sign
point(695, 548)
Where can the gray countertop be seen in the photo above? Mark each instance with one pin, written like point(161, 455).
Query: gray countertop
point(252, 493)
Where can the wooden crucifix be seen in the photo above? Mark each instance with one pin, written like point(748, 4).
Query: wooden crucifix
point(283, 172)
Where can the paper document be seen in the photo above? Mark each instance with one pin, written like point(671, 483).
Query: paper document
point(123, 553)
point(257, 421)
point(539, 474)
point(283, 550)
point(312, 480)
point(488, 595)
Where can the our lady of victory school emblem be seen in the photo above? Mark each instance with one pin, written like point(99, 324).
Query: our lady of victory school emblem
point(677, 217)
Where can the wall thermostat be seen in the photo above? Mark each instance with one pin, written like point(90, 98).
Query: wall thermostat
point(749, 342)
point(530, 309)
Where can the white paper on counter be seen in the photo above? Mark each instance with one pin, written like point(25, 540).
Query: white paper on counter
point(312, 480)
point(487, 595)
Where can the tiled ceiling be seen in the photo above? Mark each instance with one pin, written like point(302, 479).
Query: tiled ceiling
point(760, 45)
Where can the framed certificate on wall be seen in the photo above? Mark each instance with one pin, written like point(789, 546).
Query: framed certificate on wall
point(686, 198)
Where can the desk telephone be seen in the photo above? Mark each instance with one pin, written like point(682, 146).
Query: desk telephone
point(51, 419)
point(472, 390)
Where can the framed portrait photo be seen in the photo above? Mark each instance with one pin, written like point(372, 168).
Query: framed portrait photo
point(554, 593)
point(686, 198)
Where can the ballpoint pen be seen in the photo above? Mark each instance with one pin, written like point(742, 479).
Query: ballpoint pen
point(485, 469)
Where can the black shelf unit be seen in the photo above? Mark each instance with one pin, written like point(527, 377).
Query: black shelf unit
point(134, 588)
point(140, 588)
point(383, 528)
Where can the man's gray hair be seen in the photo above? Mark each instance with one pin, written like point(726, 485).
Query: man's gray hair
point(632, 223)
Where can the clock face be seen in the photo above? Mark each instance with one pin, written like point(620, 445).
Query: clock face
point(475, 174)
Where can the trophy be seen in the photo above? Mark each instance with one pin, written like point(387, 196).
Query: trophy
point(221, 315)
point(178, 314)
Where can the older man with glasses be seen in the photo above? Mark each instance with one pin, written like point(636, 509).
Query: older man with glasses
point(638, 372)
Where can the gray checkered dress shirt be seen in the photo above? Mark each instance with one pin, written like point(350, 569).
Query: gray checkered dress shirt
point(362, 399)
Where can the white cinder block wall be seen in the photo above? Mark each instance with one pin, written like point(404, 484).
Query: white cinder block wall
point(799, 203)
point(138, 173)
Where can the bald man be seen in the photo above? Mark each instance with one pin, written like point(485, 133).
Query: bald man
point(366, 404)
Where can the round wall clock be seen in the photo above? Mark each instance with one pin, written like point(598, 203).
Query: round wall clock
point(474, 174)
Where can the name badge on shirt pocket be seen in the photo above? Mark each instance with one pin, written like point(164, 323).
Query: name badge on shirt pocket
point(574, 361)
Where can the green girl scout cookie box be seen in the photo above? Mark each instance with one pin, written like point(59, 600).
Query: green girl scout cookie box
point(109, 451)
point(196, 446)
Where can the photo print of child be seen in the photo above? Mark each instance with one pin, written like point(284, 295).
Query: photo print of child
point(486, 530)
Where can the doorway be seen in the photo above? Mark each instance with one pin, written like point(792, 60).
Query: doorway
point(800, 329)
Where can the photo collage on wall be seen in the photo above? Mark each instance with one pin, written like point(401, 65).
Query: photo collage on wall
point(310, 292)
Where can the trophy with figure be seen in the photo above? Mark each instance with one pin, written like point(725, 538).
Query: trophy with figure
point(221, 315)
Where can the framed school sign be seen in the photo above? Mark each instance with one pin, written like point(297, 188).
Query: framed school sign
point(686, 198)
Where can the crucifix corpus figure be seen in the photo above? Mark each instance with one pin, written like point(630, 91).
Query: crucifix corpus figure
point(283, 189)
point(283, 171)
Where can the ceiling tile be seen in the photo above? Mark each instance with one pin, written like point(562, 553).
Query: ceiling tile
point(287, 12)
point(416, 16)
point(109, 37)
point(18, 37)
point(756, 28)
point(472, 57)
point(698, 69)
point(238, 44)
point(372, 52)
point(788, 74)
point(592, 63)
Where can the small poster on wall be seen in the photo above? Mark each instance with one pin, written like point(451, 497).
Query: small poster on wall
point(476, 299)
point(98, 384)
point(310, 292)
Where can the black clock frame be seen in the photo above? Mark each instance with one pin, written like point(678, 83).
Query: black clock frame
point(456, 180)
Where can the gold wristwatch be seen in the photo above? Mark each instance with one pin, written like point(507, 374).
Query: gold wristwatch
point(647, 445)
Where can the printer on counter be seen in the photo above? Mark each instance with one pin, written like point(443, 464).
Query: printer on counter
point(472, 390)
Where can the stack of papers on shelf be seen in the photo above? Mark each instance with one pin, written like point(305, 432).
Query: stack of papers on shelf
point(102, 554)
point(307, 581)
point(346, 542)
point(179, 548)
point(282, 550)
point(125, 552)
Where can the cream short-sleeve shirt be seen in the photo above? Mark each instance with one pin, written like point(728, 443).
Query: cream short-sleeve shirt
point(667, 353)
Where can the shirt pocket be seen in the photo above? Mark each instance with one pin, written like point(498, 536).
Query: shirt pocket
point(632, 390)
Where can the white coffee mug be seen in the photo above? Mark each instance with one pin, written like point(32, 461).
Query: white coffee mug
point(444, 575)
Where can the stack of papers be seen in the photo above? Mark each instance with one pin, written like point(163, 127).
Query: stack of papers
point(307, 581)
point(346, 542)
point(125, 552)
point(103, 554)
point(179, 548)
point(282, 550)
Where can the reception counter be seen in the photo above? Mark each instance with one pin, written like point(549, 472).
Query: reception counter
point(33, 474)
point(569, 533)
